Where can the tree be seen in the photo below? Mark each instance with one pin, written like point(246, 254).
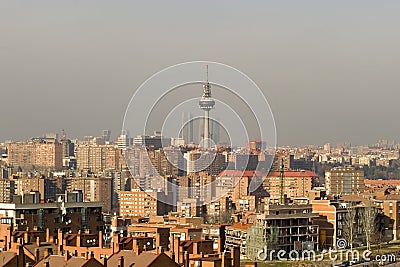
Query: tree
point(349, 228)
point(261, 237)
point(368, 219)
point(256, 241)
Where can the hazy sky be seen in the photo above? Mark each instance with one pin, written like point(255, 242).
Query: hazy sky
point(329, 69)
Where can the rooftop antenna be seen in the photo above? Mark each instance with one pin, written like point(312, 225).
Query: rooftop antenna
point(63, 135)
point(207, 72)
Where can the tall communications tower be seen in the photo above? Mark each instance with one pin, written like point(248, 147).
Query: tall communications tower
point(206, 103)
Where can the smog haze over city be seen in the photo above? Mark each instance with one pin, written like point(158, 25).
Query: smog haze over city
point(199, 133)
point(329, 70)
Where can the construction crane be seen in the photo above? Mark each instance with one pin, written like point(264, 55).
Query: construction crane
point(282, 185)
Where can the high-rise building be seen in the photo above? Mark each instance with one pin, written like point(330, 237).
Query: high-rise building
point(248, 162)
point(155, 141)
point(38, 153)
point(6, 190)
point(215, 131)
point(68, 148)
point(297, 183)
point(143, 204)
point(167, 161)
point(26, 185)
point(106, 135)
point(256, 145)
point(94, 189)
point(123, 140)
point(97, 158)
point(189, 207)
point(187, 128)
point(208, 161)
point(69, 213)
point(327, 147)
point(344, 181)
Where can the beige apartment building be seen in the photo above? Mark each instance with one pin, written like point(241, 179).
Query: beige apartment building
point(137, 203)
point(35, 154)
point(94, 189)
point(296, 183)
point(97, 158)
point(344, 181)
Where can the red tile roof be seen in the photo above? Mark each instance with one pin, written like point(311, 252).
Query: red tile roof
point(238, 173)
point(389, 197)
point(381, 182)
point(305, 173)
point(241, 226)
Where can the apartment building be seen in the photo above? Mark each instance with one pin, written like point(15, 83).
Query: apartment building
point(344, 181)
point(137, 203)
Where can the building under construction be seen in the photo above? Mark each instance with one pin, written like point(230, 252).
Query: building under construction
point(283, 227)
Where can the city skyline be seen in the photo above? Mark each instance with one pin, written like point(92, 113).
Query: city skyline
point(113, 138)
point(330, 81)
point(211, 134)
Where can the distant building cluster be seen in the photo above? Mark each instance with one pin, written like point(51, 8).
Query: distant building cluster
point(154, 201)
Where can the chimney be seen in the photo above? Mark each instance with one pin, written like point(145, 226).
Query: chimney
point(60, 250)
point(78, 239)
point(235, 255)
point(220, 245)
point(48, 235)
point(135, 246)
point(196, 249)
point(92, 254)
point(87, 255)
point(60, 237)
point(48, 252)
point(225, 262)
point(176, 250)
point(45, 253)
point(37, 254)
point(21, 254)
point(26, 236)
point(121, 261)
point(158, 239)
point(100, 239)
point(46, 264)
point(67, 256)
point(186, 259)
point(38, 241)
point(20, 249)
point(115, 242)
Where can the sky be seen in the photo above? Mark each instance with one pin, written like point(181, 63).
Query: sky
point(329, 69)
